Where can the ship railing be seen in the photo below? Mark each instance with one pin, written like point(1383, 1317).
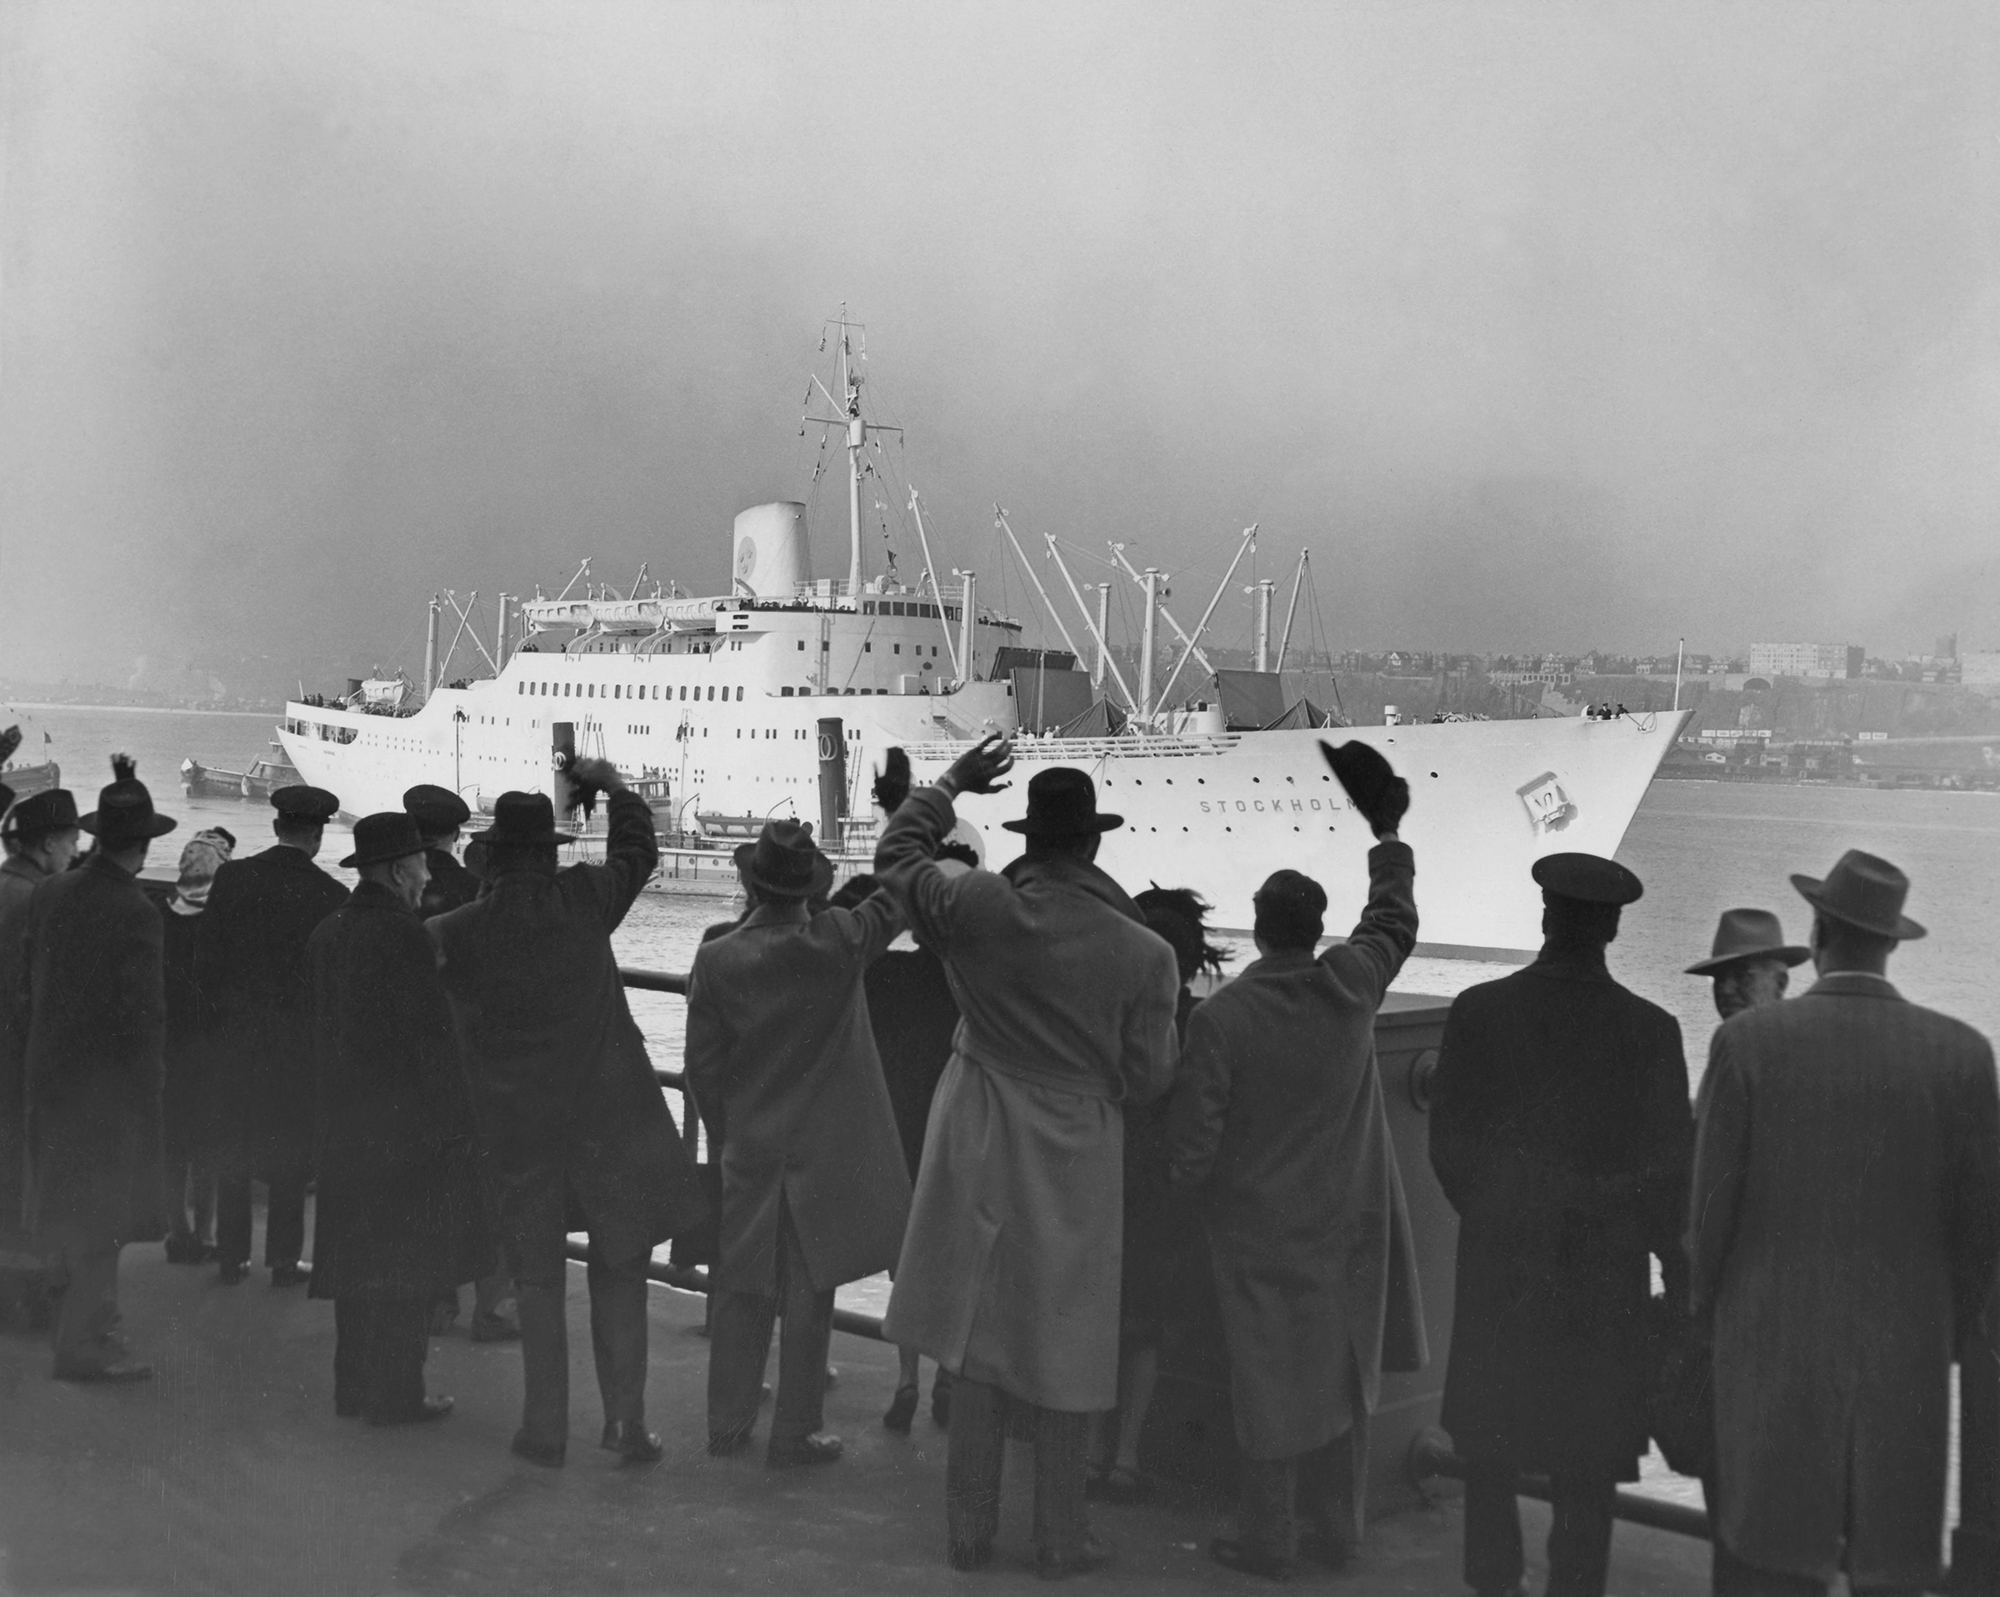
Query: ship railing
point(1138, 746)
point(1975, 1540)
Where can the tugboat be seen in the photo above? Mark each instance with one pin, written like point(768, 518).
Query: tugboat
point(266, 774)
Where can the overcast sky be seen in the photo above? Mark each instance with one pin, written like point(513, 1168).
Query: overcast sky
point(1543, 324)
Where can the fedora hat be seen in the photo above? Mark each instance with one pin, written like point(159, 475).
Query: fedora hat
point(34, 817)
point(124, 812)
point(380, 838)
point(1748, 934)
point(1864, 891)
point(785, 862)
point(1587, 877)
point(1062, 802)
point(523, 818)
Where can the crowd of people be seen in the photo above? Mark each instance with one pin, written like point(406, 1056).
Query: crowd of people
point(1025, 1119)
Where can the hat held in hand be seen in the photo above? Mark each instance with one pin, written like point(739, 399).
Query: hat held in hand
point(1370, 782)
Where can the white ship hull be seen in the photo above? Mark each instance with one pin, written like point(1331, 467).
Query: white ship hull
point(1214, 813)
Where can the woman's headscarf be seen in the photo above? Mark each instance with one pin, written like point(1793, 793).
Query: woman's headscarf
point(204, 852)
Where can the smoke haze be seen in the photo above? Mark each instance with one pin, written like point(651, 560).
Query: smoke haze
point(1544, 325)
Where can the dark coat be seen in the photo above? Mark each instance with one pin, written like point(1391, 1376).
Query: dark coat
point(399, 1211)
point(1010, 1267)
point(560, 1075)
point(250, 959)
point(17, 881)
point(188, 1102)
point(451, 886)
point(778, 1039)
point(914, 1016)
point(1278, 1120)
point(1845, 1227)
point(1560, 1132)
point(97, 1032)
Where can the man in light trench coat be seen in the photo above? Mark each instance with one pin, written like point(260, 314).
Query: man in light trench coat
point(1010, 1267)
point(1278, 1119)
point(1844, 1227)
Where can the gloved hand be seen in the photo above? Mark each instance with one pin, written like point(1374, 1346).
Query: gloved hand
point(588, 778)
point(1382, 797)
point(892, 782)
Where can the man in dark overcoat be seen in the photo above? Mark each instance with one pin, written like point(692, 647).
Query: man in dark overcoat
point(814, 1193)
point(567, 1102)
point(1278, 1120)
point(398, 1215)
point(38, 837)
point(97, 1036)
point(440, 815)
point(1560, 1132)
point(1009, 1272)
point(1844, 1228)
point(250, 959)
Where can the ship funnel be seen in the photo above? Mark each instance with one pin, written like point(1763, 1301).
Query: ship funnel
point(770, 557)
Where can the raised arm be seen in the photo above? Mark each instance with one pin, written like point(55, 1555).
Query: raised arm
point(904, 854)
point(1387, 931)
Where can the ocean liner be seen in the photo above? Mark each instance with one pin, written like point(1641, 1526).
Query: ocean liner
point(781, 696)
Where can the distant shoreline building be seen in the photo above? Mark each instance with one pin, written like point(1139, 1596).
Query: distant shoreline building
point(1820, 661)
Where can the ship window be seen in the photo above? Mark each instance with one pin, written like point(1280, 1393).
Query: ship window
point(899, 648)
point(802, 645)
point(868, 607)
point(739, 695)
point(565, 690)
point(684, 691)
point(618, 691)
point(784, 693)
point(711, 693)
point(867, 648)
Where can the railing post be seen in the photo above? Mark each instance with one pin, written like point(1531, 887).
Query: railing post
point(1975, 1544)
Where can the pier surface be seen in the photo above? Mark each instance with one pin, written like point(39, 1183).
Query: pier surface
point(229, 1473)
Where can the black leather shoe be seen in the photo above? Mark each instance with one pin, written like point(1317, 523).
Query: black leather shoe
point(431, 1408)
point(283, 1275)
point(902, 1409)
point(1090, 1554)
point(232, 1274)
point(822, 1447)
point(633, 1444)
point(118, 1372)
point(547, 1454)
point(1249, 1561)
point(968, 1556)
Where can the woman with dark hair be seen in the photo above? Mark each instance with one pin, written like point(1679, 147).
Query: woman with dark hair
point(1158, 1221)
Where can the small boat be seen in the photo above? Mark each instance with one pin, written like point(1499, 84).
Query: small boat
point(26, 779)
point(266, 774)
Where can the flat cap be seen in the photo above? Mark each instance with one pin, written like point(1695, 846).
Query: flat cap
point(51, 810)
point(434, 808)
point(1587, 878)
point(309, 806)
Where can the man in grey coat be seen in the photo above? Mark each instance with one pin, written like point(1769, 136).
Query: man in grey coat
point(1009, 1271)
point(1843, 1230)
point(1278, 1119)
point(814, 1192)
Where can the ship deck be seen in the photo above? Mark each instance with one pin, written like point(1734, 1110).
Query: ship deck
point(229, 1474)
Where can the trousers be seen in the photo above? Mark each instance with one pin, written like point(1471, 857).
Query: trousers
point(1579, 1532)
point(84, 1332)
point(739, 1342)
point(379, 1347)
point(1326, 1487)
point(284, 1223)
point(617, 1342)
point(976, 1453)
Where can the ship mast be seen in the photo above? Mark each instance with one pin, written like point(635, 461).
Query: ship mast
point(857, 428)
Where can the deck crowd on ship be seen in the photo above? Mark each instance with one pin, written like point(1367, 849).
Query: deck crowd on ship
point(1032, 1123)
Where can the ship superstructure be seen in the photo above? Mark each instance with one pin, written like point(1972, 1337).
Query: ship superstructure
point(781, 697)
